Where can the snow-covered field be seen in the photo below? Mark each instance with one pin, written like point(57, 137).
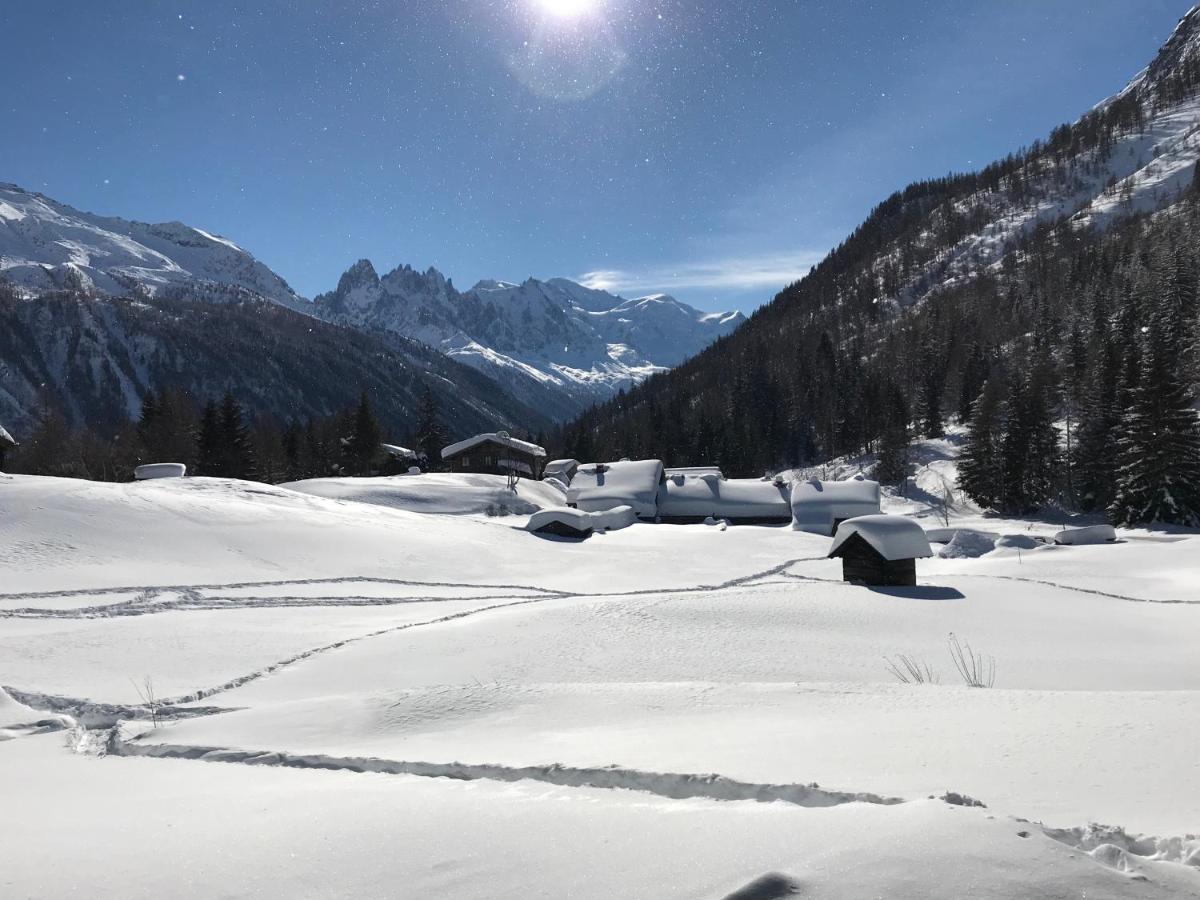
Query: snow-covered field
point(374, 688)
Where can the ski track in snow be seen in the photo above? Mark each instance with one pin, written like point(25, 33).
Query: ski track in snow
point(190, 599)
point(1078, 590)
point(671, 785)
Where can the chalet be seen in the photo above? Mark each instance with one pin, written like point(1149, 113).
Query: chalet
point(880, 550)
point(820, 506)
point(497, 453)
point(6, 443)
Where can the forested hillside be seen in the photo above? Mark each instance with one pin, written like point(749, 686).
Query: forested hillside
point(1063, 279)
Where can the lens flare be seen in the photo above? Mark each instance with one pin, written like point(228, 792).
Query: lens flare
point(566, 9)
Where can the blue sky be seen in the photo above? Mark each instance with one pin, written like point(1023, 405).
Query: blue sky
point(713, 150)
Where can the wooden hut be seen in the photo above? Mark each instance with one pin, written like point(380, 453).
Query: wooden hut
point(880, 550)
point(496, 453)
point(6, 443)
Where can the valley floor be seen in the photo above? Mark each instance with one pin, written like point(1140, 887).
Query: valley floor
point(364, 700)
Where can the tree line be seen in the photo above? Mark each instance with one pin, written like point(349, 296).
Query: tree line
point(217, 438)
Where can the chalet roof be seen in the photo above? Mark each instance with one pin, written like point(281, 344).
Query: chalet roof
point(398, 452)
point(681, 496)
point(892, 537)
point(498, 437)
point(816, 505)
point(601, 486)
point(6, 439)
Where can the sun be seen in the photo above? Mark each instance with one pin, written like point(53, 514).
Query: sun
point(567, 9)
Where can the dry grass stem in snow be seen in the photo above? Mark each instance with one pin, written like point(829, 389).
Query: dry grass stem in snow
point(976, 669)
point(910, 670)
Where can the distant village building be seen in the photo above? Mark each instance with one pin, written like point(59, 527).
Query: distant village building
point(6, 443)
point(400, 460)
point(700, 494)
point(880, 550)
point(598, 487)
point(155, 471)
point(820, 506)
point(495, 454)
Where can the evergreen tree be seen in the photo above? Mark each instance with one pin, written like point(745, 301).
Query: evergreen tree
point(980, 469)
point(1029, 453)
point(362, 448)
point(431, 434)
point(237, 452)
point(892, 465)
point(208, 442)
point(1095, 451)
point(1159, 448)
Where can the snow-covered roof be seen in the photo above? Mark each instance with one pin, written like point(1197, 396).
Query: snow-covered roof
point(601, 486)
point(399, 452)
point(559, 467)
point(497, 437)
point(694, 471)
point(892, 537)
point(581, 521)
point(687, 497)
point(153, 471)
point(816, 505)
point(6, 439)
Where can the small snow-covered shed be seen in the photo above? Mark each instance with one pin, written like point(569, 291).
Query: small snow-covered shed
point(880, 550)
point(820, 506)
point(694, 498)
point(155, 471)
point(563, 521)
point(562, 469)
point(495, 453)
point(6, 443)
point(602, 486)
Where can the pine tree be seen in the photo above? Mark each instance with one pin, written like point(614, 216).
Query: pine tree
point(235, 451)
point(208, 442)
point(1095, 451)
point(362, 448)
point(1159, 449)
point(892, 465)
point(431, 434)
point(980, 472)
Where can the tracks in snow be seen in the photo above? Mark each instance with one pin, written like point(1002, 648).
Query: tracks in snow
point(151, 600)
point(673, 786)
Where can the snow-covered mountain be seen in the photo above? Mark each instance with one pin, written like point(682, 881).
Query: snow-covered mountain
point(548, 341)
point(46, 246)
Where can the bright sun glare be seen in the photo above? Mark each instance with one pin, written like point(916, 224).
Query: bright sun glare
point(567, 9)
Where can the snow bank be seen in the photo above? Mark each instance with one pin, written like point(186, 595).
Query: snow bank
point(817, 506)
point(601, 486)
point(697, 497)
point(967, 544)
point(452, 494)
point(893, 537)
point(159, 470)
point(1092, 534)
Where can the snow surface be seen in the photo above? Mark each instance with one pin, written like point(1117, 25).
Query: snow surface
point(544, 718)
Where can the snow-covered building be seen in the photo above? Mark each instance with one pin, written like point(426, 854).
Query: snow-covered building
point(561, 469)
point(686, 497)
point(155, 471)
point(820, 506)
point(880, 550)
point(562, 521)
point(6, 443)
point(597, 487)
point(496, 453)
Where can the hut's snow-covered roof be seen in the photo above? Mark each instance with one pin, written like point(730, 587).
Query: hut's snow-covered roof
point(561, 469)
point(689, 497)
point(496, 437)
point(398, 452)
point(892, 537)
point(6, 439)
point(582, 522)
point(154, 471)
point(816, 505)
point(601, 486)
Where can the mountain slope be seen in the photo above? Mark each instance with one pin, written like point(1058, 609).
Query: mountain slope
point(95, 358)
point(947, 283)
point(46, 246)
point(555, 343)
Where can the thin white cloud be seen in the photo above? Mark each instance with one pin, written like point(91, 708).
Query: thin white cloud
point(748, 273)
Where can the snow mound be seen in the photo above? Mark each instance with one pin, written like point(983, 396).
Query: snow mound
point(450, 494)
point(967, 545)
